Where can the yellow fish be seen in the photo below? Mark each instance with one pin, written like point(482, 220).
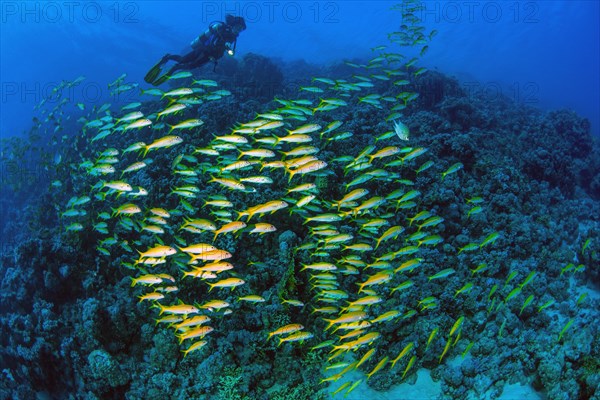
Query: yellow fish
point(229, 282)
point(298, 162)
point(158, 251)
point(322, 266)
point(295, 337)
point(179, 309)
point(151, 296)
point(195, 346)
point(353, 195)
point(365, 358)
point(140, 123)
point(127, 209)
point(347, 317)
point(161, 212)
point(404, 352)
point(148, 279)
point(385, 152)
point(409, 365)
point(215, 305)
point(190, 123)
point(264, 208)
point(229, 183)
point(293, 139)
point(260, 153)
point(306, 168)
point(195, 333)
point(378, 367)
point(166, 141)
point(309, 128)
point(237, 139)
point(170, 110)
point(239, 165)
point(290, 328)
point(193, 321)
point(252, 298)
point(262, 228)
point(214, 255)
point(217, 266)
point(118, 185)
point(200, 223)
point(230, 227)
point(198, 248)
point(378, 278)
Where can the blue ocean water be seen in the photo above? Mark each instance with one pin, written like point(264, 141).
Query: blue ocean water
point(328, 212)
point(541, 53)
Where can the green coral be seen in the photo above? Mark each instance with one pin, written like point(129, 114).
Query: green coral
point(322, 182)
point(229, 385)
point(590, 366)
point(287, 284)
point(313, 359)
point(103, 366)
point(304, 391)
point(276, 320)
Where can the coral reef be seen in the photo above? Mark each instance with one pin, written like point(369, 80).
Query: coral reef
point(516, 192)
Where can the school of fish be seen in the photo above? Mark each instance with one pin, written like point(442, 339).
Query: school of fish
point(366, 242)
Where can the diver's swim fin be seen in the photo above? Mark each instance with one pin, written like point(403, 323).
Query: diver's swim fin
point(161, 80)
point(153, 73)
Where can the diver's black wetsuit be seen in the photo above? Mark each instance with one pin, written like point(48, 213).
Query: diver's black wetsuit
point(209, 46)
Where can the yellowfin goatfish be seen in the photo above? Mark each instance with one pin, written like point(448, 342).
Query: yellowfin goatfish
point(291, 328)
point(131, 116)
point(140, 123)
point(453, 168)
point(190, 123)
point(229, 282)
point(269, 207)
point(171, 110)
point(178, 92)
point(309, 128)
point(166, 141)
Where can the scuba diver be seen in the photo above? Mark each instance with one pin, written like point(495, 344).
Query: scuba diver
point(209, 46)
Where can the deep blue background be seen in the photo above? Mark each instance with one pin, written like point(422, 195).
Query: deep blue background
point(544, 53)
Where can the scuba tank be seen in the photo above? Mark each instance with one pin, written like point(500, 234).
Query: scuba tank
point(208, 37)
